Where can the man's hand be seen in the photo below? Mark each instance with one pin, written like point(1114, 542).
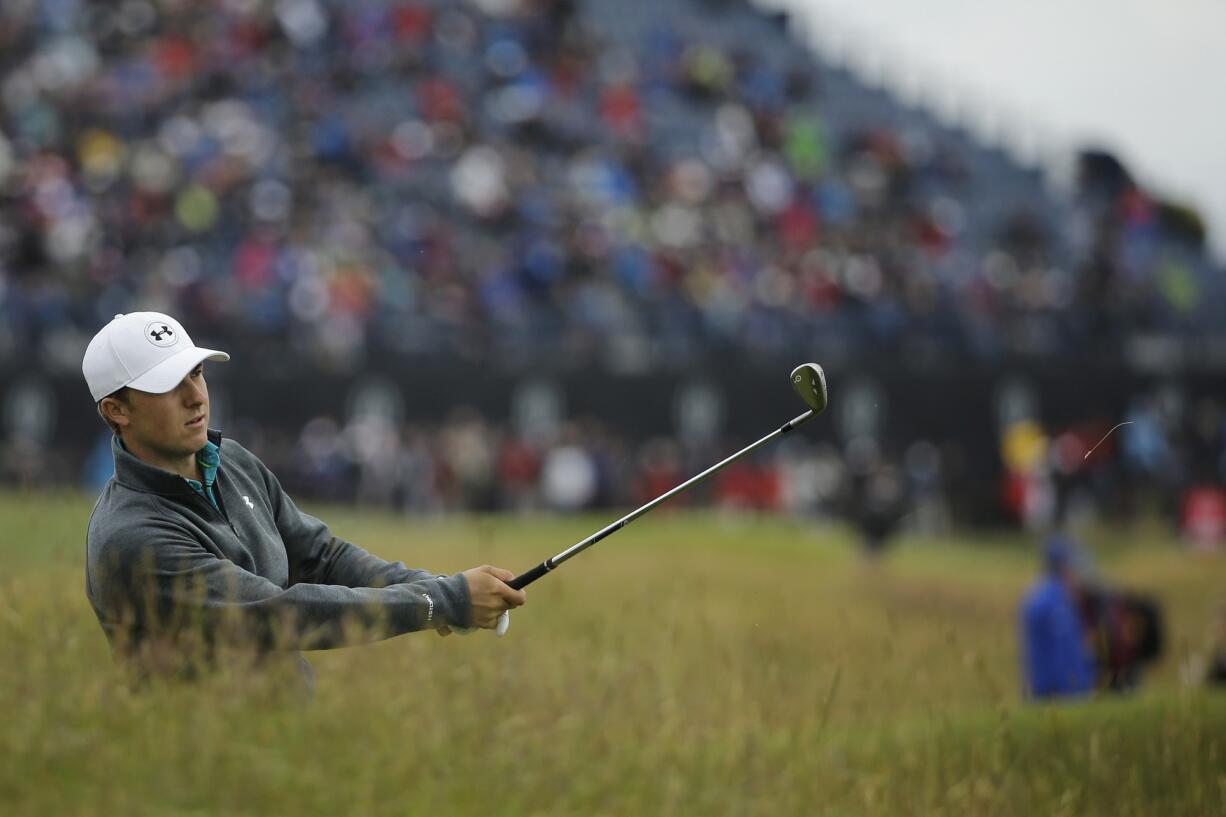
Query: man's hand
point(491, 595)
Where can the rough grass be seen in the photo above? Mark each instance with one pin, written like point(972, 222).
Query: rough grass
point(693, 664)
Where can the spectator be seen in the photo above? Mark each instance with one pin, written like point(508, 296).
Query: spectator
point(1056, 659)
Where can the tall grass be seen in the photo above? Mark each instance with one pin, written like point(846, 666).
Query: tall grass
point(693, 664)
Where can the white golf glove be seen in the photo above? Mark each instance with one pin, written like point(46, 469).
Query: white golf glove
point(504, 623)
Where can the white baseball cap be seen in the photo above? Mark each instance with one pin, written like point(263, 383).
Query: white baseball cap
point(146, 351)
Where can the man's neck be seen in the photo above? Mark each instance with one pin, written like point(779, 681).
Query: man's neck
point(186, 466)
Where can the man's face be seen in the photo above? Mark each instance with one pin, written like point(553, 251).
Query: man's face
point(174, 424)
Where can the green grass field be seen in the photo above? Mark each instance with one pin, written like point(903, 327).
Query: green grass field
point(692, 664)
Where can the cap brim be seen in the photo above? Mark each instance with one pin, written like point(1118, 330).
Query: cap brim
point(170, 372)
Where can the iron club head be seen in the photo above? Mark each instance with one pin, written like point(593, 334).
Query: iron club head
point(810, 383)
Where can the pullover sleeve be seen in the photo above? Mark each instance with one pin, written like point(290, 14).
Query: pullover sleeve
point(318, 557)
point(170, 582)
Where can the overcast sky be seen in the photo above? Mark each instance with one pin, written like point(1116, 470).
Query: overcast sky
point(1144, 78)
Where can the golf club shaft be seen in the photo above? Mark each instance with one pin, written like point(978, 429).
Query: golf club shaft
point(525, 579)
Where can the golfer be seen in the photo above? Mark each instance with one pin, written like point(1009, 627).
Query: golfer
point(193, 545)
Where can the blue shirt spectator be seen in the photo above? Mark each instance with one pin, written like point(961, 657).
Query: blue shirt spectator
point(1055, 657)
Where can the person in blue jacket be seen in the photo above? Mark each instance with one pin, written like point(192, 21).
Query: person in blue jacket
point(1056, 657)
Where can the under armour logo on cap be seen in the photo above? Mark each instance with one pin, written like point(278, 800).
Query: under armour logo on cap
point(161, 335)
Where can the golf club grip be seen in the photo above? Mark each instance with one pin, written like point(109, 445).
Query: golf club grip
point(524, 579)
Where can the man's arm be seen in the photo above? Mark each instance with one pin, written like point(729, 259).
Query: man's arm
point(170, 582)
point(318, 557)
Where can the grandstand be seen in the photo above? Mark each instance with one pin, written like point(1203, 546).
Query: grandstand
point(551, 188)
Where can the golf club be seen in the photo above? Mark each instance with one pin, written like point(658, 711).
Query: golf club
point(808, 380)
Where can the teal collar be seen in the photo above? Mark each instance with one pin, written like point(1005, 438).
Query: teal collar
point(141, 476)
point(209, 459)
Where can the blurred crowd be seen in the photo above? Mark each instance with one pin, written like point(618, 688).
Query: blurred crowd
point(1166, 457)
point(467, 463)
point(505, 180)
point(327, 184)
point(1167, 462)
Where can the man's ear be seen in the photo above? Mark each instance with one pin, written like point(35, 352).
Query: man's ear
point(115, 412)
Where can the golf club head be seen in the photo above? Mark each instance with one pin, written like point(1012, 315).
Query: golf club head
point(810, 383)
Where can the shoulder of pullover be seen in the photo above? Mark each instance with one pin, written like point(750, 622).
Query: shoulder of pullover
point(234, 455)
point(120, 513)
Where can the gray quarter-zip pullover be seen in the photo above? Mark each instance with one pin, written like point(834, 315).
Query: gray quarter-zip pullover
point(164, 566)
